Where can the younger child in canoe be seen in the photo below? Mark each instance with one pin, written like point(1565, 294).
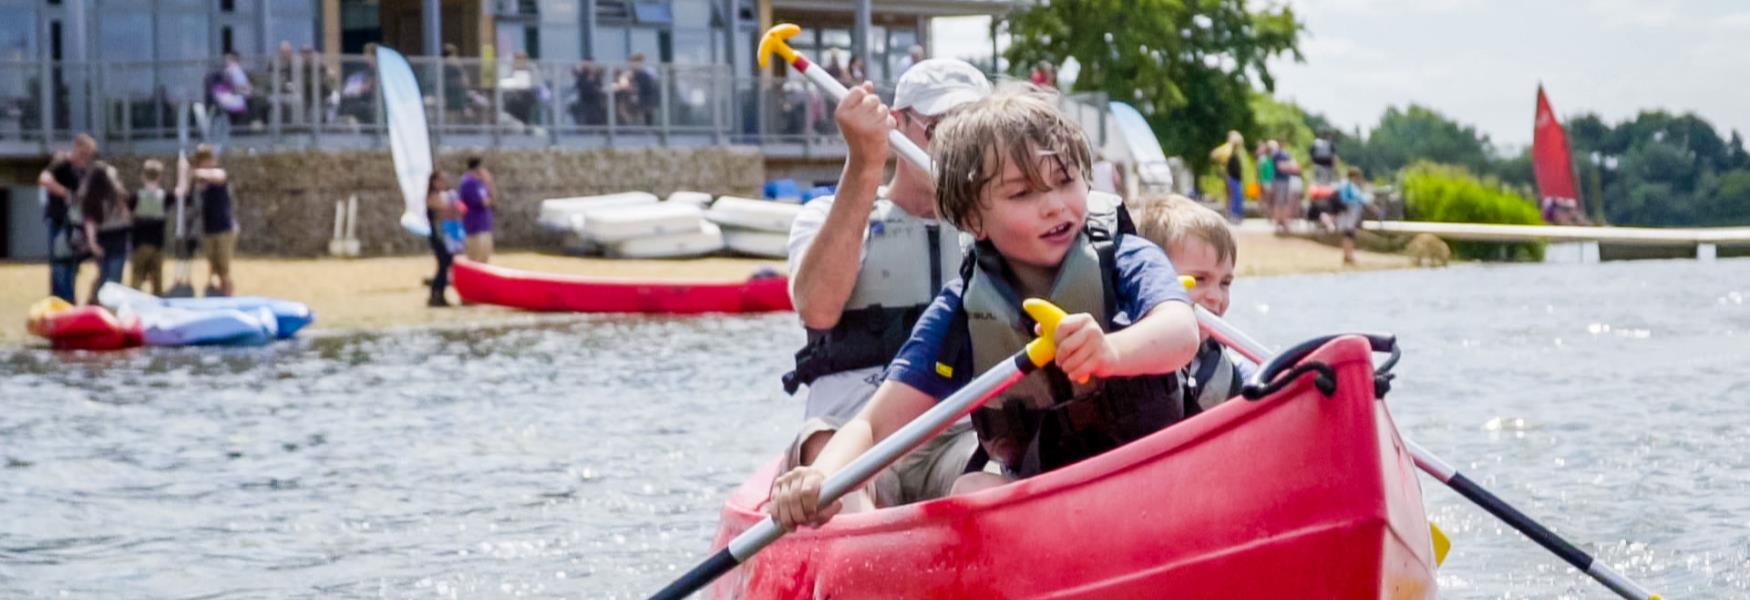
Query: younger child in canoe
point(1201, 246)
point(1011, 170)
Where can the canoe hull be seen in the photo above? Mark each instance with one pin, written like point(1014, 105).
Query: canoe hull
point(487, 284)
point(1294, 496)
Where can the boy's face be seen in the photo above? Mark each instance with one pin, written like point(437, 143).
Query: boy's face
point(1195, 258)
point(1031, 226)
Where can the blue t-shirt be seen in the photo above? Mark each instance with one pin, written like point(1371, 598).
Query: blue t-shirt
point(1351, 194)
point(1145, 280)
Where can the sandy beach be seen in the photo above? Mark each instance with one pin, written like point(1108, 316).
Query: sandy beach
point(380, 293)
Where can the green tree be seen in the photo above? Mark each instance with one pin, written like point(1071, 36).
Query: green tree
point(1187, 65)
point(1282, 121)
point(1448, 194)
point(1660, 169)
point(1418, 133)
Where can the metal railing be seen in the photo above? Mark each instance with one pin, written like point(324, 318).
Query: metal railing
point(329, 101)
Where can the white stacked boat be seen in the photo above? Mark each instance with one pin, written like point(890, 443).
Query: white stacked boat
point(754, 227)
point(637, 225)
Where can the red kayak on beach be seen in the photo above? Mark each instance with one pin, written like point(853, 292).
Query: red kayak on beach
point(487, 284)
point(1297, 495)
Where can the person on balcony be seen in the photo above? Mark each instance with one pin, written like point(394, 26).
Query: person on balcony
point(591, 106)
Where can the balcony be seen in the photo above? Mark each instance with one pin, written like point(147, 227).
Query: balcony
point(333, 102)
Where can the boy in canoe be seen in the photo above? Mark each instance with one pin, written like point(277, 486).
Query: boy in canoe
point(1200, 246)
point(1011, 170)
point(865, 264)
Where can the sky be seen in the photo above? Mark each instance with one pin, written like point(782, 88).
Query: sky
point(1480, 61)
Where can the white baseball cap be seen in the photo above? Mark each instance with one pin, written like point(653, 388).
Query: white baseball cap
point(934, 86)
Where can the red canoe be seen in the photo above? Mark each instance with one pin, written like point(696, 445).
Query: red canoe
point(486, 284)
point(1294, 496)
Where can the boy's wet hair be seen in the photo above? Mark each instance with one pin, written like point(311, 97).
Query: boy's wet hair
point(151, 170)
point(1018, 123)
point(1168, 220)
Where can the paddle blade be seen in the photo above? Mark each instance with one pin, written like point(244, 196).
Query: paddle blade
point(776, 40)
point(1042, 350)
point(1442, 544)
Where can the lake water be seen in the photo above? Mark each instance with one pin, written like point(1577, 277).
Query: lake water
point(588, 456)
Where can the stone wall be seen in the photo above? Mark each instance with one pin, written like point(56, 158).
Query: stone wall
point(285, 201)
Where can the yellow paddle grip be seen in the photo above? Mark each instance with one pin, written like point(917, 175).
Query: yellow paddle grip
point(1043, 349)
point(776, 40)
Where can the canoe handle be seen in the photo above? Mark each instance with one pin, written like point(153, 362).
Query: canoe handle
point(1284, 369)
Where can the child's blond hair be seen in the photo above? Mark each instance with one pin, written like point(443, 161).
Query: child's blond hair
point(1018, 123)
point(1170, 219)
point(151, 170)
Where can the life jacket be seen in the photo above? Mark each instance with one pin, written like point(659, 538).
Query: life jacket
point(1210, 380)
point(889, 296)
point(1045, 421)
point(149, 204)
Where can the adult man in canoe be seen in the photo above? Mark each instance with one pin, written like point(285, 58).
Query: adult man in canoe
point(865, 263)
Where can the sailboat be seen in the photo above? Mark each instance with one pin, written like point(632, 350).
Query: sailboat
point(1553, 166)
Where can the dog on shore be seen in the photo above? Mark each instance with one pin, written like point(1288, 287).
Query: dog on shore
point(1427, 250)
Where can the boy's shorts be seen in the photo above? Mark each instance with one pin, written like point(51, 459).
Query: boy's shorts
point(1349, 219)
point(219, 248)
point(925, 473)
point(148, 266)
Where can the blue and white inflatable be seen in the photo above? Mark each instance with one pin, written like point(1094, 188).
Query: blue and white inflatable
point(238, 321)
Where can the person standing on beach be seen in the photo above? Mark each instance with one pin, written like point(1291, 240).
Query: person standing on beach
point(1266, 161)
point(60, 180)
point(475, 190)
point(1352, 195)
point(218, 225)
point(149, 229)
point(1228, 156)
point(866, 262)
point(1284, 194)
point(107, 221)
point(440, 210)
point(1324, 159)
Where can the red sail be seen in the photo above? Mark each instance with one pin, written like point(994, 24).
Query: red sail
point(1550, 160)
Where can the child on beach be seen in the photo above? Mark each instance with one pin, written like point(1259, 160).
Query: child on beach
point(149, 230)
point(218, 226)
point(1012, 172)
point(1200, 246)
point(1352, 195)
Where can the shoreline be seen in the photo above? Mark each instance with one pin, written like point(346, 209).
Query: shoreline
point(375, 295)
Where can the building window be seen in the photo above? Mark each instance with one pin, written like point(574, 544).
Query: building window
point(652, 13)
point(125, 35)
point(227, 5)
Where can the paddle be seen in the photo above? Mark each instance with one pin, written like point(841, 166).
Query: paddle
point(1447, 474)
point(180, 286)
point(1038, 353)
point(775, 41)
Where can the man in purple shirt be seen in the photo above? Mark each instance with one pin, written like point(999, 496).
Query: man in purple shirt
point(476, 192)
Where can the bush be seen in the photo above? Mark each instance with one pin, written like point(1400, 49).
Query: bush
point(1447, 194)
